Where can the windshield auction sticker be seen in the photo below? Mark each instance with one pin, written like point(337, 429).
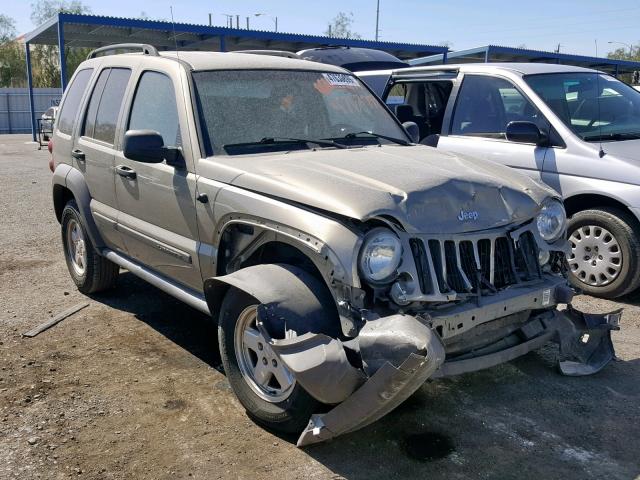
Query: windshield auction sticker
point(340, 80)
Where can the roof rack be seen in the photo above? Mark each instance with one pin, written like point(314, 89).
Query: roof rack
point(145, 48)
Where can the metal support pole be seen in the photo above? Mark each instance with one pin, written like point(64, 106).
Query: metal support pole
point(210, 20)
point(30, 88)
point(8, 113)
point(276, 24)
point(486, 55)
point(247, 23)
point(445, 57)
point(238, 22)
point(223, 46)
point(63, 60)
point(377, 18)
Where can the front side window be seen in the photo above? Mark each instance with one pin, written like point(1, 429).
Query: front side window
point(72, 100)
point(154, 108)
point(486, 105)
point(594, 106)
point(104, 106)
point(248, 106)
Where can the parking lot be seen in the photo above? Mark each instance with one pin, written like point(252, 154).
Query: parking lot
point(131, 387)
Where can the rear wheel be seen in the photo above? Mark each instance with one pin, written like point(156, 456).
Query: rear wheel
point(605, 252)
point(89, 270)
point(262, 384)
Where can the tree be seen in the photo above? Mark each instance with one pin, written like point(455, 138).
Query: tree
point(12, 64)
point(626, 53)
point(43, 10)
point(7, 28)
point(340, 26)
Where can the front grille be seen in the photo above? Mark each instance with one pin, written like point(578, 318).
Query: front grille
point(475, 265)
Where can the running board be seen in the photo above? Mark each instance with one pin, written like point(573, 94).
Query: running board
point(177, 291)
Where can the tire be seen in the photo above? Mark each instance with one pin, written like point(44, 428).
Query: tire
point(288, 414)
point(92, 273)
point(614, 272)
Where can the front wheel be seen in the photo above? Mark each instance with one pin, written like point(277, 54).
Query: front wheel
point(605, 252)
point(263, 385)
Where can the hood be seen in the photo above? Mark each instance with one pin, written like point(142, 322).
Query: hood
point(427, 191)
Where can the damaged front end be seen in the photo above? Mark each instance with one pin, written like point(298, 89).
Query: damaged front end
point(370, 375)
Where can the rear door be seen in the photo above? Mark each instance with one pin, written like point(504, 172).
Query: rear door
point(484, 106)
point(157, 216)
point(93, 151)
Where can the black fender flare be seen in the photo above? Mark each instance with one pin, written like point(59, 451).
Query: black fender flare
point(293, 298)
point(73, 180)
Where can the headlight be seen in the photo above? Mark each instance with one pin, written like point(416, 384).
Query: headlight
point(551, 220)
point(380, 256)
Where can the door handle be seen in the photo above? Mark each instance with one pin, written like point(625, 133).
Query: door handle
point(126, 172)
point(78, 154)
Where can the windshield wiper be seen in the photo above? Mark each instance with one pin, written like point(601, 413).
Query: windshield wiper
point(280, 140)
point(612, 136)
point(399, 141)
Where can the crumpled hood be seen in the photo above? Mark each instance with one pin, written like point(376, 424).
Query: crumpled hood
point(426, 190)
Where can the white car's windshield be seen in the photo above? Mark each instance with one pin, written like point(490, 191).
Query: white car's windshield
point(596, 107)
point(248, 111)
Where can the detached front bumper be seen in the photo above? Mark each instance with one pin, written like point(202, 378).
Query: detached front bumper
point(399, 353)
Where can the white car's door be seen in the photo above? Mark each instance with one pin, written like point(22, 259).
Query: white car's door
point(483, 108)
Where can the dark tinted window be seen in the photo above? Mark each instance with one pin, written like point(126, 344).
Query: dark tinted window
point(154, 108)
point(72, 100)
point(487, 104)
point(105, 104)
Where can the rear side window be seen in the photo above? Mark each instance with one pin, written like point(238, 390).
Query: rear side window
point(72, 100)
point(154, 108)
point(104, 107)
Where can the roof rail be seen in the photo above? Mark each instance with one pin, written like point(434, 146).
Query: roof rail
point(276, 53)
point(146, 49)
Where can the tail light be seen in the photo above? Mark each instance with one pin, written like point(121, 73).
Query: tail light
point(52, 165)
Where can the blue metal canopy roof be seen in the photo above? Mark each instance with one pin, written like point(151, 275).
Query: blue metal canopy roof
point(497, 53)
point(95, 31)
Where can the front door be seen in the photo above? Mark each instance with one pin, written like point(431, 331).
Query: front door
point(156, 201)
point(484, 107)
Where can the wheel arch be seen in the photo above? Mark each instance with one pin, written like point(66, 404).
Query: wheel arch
point(278, 285)
point(587, 201)
point(69, 184)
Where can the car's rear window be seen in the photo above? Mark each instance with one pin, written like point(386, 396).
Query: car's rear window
point(72, 100)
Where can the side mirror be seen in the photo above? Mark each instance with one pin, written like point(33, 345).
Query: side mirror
point(412, 130)
point(525, 132)
point(144, 146)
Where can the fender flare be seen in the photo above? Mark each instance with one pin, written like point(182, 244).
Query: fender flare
point(72, 179)
point(294, 298)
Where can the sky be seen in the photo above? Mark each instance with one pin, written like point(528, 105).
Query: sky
point(541, 24)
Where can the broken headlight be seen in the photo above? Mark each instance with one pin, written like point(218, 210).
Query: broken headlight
point(380, 256)
point(551, 220)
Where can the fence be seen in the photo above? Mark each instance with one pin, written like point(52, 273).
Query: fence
point(15, 116)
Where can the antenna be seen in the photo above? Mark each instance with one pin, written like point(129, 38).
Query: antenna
point(601, 152)
point(175, 39)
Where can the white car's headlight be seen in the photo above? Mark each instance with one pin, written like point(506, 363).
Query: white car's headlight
point(380, 256)
point(551, 220)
